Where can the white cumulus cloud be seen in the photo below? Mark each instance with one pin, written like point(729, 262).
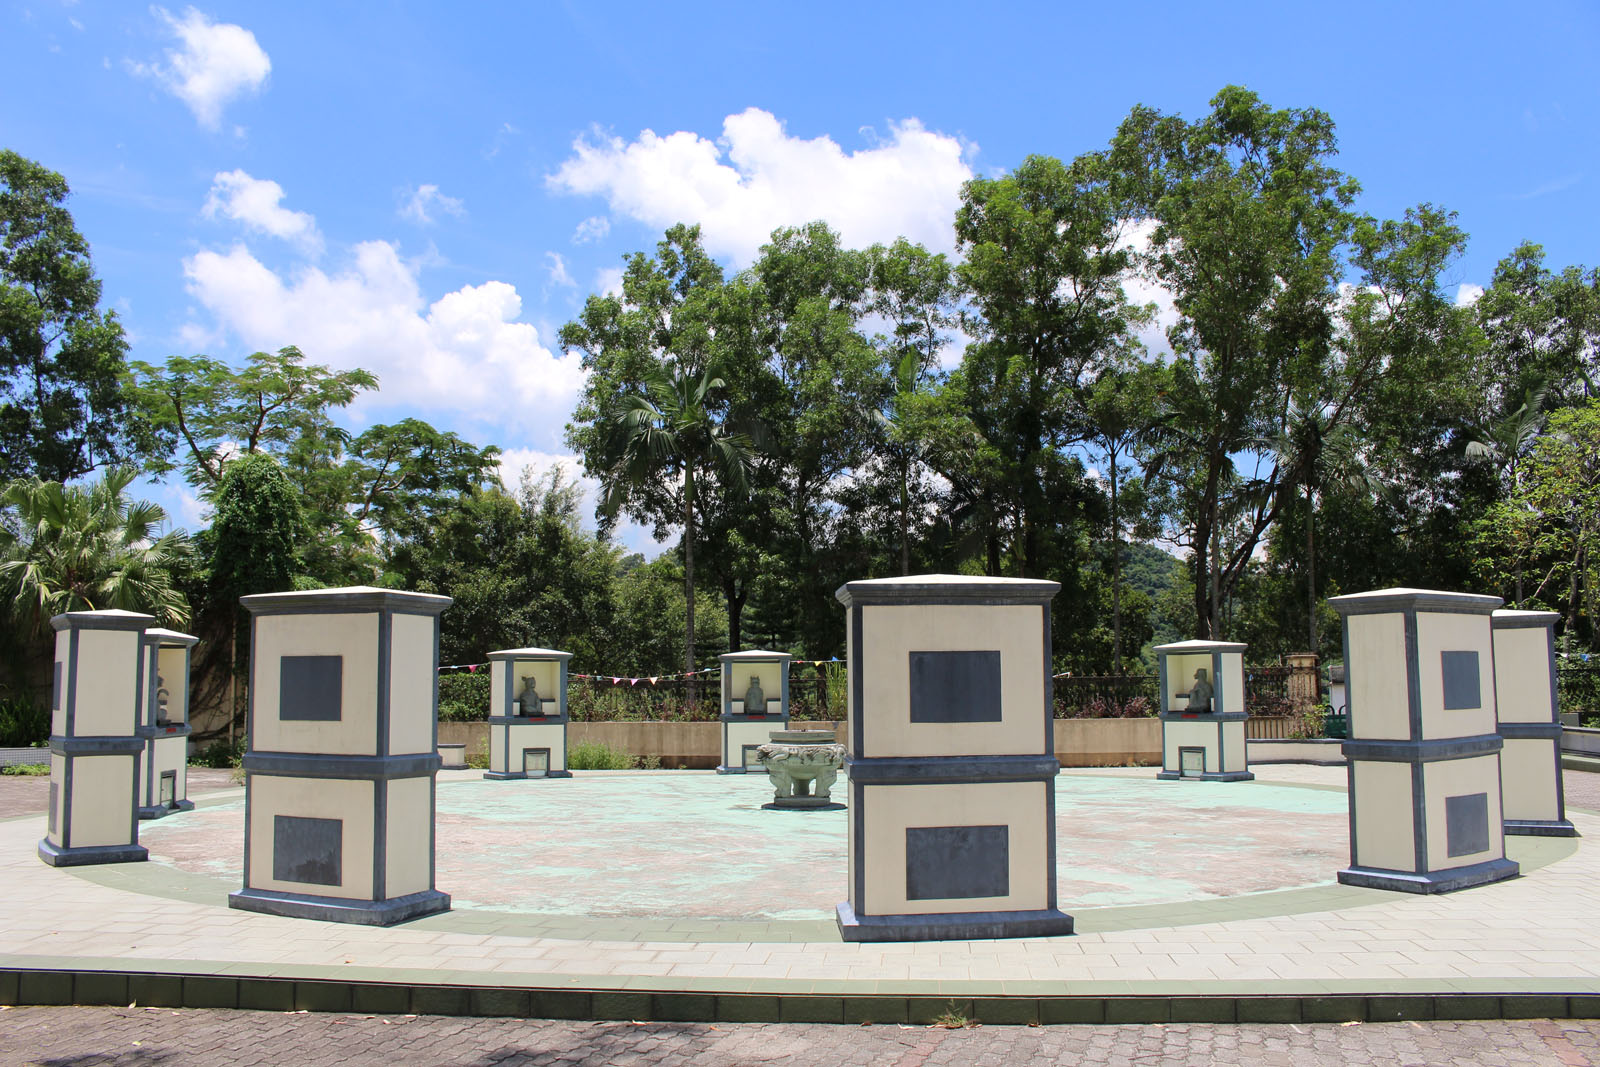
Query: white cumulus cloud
point(257, 203)
point(214, 63)
point(1467, 294)
point(465, 351)
point(591, 229)
point(424, 199)
point(756, 178)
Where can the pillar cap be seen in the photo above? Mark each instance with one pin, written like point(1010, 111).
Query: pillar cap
point(109, 619)
point(1180, 648)
point(755, 655)
point(1394, 600)
point(1510, 619)
point(529, 653)
point(347, 599)
point(171, 638)
point(947, 589)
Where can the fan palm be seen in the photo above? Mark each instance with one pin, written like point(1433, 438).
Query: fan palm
point(77, 548)
point(672, 435)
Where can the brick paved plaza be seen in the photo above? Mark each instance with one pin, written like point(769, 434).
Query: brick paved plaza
point(1532, 940)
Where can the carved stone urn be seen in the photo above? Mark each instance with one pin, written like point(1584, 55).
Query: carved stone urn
point(802, 766)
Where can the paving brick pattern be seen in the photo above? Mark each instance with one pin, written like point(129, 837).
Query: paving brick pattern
point(134, 1037)
point(27, 794)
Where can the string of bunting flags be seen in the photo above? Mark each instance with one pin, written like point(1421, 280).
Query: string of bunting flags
point(618, 679)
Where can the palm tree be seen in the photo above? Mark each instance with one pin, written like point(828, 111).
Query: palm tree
point(77, 548)
point(672, 435)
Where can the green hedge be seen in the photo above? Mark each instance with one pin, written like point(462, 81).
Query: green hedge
point(23, 723)
point(464, 696)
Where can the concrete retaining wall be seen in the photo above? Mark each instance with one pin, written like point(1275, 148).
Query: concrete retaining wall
point(1079, 742)
point(1321, 750)
point(1582, 740)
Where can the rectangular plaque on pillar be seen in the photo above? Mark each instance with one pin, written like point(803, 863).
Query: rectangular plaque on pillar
point(1526, 708)
point(755, 702)
point(164, 723)
point(94, 744)
point(339, 777)
point(950, 753)
point(1423, 754)
point(528, 714)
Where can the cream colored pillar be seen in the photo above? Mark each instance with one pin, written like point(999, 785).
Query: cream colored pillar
point(746, 728)
point(164, 723)
point(527, 741)
point(94, 746)
point(951, 760)
point(339, 777)
point(1202, 740)
point(1529, 725)
point(1423, 753)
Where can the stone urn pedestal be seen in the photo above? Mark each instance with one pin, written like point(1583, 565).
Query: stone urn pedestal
point(802, 765)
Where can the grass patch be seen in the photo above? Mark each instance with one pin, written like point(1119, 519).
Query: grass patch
point(599, 756)
point(27, 770)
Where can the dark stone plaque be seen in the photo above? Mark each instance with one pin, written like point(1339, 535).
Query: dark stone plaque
point(957, 862)
point(1466, 824)
point(310, 688)
point(307, 850)
point(955, 687)
point(1461, 687)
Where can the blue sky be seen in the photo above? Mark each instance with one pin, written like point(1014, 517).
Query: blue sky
point(430, 190)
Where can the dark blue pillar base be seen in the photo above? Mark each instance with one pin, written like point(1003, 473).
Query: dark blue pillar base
point(517, 776)
point(340, 910)
point(952, 926)
point(156, 811)
point(82, 857)
point(1446, 881)
point(1540, 828)
point(1232, 776)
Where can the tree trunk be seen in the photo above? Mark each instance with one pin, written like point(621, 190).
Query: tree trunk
point(1116, 572)
point(688, 576)
point(735, 601)
point(1311, 563)
point(905, 522)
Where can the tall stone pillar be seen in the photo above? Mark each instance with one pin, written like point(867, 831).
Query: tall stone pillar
point(164, 723)
point(951, 759)
point(339, 777)
point(1305, 681)
point(1529, 725)
point(94, 748)
point(746, 728)
point(1423, 753)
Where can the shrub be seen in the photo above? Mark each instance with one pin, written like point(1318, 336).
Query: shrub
point(23, 723)
point(31, 770)
point(1309, 723)
point(464, 696)
point(220, 754)
point(598, 756)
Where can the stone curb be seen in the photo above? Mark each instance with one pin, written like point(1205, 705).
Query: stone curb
point(33, 986)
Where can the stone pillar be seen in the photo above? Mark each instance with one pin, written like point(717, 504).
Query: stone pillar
point(164, 723)
point(1529, 726)
point(951, 760)
point(1423, 754)
point(339, 777)
point(528, 742)
point(1208, 745)
point(94, 749)
point(1305, 681)
point(745, 729)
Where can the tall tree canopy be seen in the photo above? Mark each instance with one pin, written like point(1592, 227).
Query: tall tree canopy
point(61, 357)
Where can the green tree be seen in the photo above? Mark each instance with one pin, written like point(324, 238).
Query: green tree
point(1249, 219)
point(677, 437)
point(252, 548)
point(1046, 255)
point(62, 412)
point(1539, 327)
point(88, 548)
point(206, 412)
